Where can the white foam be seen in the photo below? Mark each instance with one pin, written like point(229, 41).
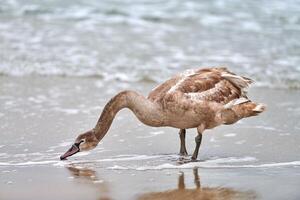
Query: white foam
point(240, 142)
point(98, 181)
point(68, 111)
point(38, 99)
point(230, 135)
point(64, 144)
point(212, 139)
point(284, 134)
point(159, 162)
point(19, 155)
point(29, 163)
point(251, 26)
point(146, 136)
point(211, 20)
point(4, 164)
point(63, 163)
point(266, 128)
point(117, 167)
point(99, 84)
point(84, 153)
point(205, 165)
point(130, 158)
point(232, 160)
point(157, 132)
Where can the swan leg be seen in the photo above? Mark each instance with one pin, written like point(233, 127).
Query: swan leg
point(182, 151)
point(198, 140)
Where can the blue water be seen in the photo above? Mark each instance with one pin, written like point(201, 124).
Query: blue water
point(151, 40)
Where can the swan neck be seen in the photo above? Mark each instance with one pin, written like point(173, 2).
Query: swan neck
point(108, 114)
point(139, 105)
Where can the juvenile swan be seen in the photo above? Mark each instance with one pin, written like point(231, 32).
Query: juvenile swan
point(196, 98)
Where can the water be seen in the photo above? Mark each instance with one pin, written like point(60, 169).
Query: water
point(61, 61)
point(41, 117)
point(138, 41)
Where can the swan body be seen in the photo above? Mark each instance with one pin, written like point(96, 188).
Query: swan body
point(203, 97)
point(197, 98)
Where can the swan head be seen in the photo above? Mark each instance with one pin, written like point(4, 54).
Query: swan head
point(84, 142)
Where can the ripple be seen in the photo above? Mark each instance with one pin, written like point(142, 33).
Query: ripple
point(158, 47)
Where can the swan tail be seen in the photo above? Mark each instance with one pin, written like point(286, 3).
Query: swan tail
point(240, 82)
point(230, 115)
point(248, 109)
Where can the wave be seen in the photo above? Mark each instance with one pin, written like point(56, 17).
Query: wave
point(28, 163)
point(142, 41)
point(167, 162)
point(205, 165)
point(138, 76)
point(119, 158)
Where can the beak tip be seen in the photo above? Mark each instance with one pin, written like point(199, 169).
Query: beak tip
point(73, 150)
point(62, 158)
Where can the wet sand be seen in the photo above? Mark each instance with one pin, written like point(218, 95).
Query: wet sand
point(257, 158)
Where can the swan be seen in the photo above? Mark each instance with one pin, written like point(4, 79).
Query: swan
point(196, 98)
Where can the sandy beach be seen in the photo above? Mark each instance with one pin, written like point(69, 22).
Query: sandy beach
point(61, 61)
point(257, 158)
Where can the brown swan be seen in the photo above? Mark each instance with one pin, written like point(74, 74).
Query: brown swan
point(197, 98)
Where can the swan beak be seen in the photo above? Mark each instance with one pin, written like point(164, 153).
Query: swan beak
point(74, 149)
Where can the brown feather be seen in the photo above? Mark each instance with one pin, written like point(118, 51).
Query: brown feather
point(203, 85)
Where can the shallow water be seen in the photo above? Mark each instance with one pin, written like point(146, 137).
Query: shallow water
point(61, 61)
point(41, 116)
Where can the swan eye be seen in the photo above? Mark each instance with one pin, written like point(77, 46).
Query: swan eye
point(77, 144)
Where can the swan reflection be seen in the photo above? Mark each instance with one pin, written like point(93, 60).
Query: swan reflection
point(197, 193)
point(89, 176)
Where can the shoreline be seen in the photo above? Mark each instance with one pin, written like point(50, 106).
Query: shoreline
point(42, 116)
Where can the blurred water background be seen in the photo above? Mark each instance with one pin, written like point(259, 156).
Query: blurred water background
point(149, 40)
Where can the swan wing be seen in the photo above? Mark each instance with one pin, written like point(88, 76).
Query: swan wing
point(209, 84)
point(159, 92)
